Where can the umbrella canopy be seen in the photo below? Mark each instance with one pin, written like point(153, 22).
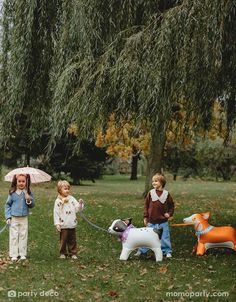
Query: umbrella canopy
point(36, 175)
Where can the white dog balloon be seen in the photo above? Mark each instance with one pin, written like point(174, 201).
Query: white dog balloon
point(133, 238)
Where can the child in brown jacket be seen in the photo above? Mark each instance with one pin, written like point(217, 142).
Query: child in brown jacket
point(158, 208)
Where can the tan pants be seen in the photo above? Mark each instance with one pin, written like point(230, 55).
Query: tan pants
point(18, 236)
point(68, 239)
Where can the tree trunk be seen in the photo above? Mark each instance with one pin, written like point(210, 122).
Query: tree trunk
point(27, 159)
point(155, 158)
point(134, 167)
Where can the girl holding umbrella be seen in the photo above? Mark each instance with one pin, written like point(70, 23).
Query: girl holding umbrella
point(17, 206)
point(19, 200)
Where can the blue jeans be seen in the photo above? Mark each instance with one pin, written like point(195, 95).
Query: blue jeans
point(165, 238)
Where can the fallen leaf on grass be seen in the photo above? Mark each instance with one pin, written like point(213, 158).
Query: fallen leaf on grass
point(102, 267)
point(82, 266)
point(120, 278)
point(142, 285)
point(143, 272)
point(113, 293)
point(4, 263)
point(80, 297)
point(97, 296)
point(163, 269)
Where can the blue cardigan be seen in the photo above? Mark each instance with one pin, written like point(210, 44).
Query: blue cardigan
point(16, 205)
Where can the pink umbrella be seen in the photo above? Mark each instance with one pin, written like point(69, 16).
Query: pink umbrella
point(36, 175)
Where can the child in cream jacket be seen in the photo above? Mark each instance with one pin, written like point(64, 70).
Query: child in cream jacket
point(65, 220)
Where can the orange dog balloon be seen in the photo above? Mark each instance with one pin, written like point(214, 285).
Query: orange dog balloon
point(210, 236)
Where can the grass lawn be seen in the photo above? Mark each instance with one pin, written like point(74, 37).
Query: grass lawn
point(99, 275)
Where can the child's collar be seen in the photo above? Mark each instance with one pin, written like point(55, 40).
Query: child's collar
point(64, 199)
point(19, 191)
point(161, 198)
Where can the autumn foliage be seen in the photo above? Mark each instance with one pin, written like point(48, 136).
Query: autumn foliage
point(124, 140)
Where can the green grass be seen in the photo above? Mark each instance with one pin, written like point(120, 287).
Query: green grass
point(99, 275)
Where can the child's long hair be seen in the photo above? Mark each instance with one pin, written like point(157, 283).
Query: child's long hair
point(13, 187)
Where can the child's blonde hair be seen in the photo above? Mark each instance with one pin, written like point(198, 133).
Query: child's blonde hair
point(62, 183)
point(161, 178)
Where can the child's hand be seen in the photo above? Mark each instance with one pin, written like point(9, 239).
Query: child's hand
point(27, 198)
point(58, 227)
point(145, 221)
point(8, 221)
point(81, 204)
point(167, 215)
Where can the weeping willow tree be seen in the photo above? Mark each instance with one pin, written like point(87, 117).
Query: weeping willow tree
point(138, 59)
point(26, 52)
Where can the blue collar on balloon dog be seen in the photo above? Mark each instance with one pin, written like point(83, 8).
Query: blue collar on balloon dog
point(198, 233)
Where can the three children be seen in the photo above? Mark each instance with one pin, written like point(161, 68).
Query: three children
point(159, 207)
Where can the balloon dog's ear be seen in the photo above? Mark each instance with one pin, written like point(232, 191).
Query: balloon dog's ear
point(159, 232)
point(127, 221)
point(120, 226)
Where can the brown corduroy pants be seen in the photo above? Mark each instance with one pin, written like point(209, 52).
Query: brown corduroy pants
point(68, 239)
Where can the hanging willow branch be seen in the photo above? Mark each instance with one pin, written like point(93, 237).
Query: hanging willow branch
point(170, 56)
point(85, 59)
point(26, 62)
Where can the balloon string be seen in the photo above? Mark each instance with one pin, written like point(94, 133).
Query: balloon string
point(181, 224)
point(3, 228)
point(92, 224)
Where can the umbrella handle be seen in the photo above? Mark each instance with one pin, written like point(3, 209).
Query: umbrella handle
point(27, 183)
